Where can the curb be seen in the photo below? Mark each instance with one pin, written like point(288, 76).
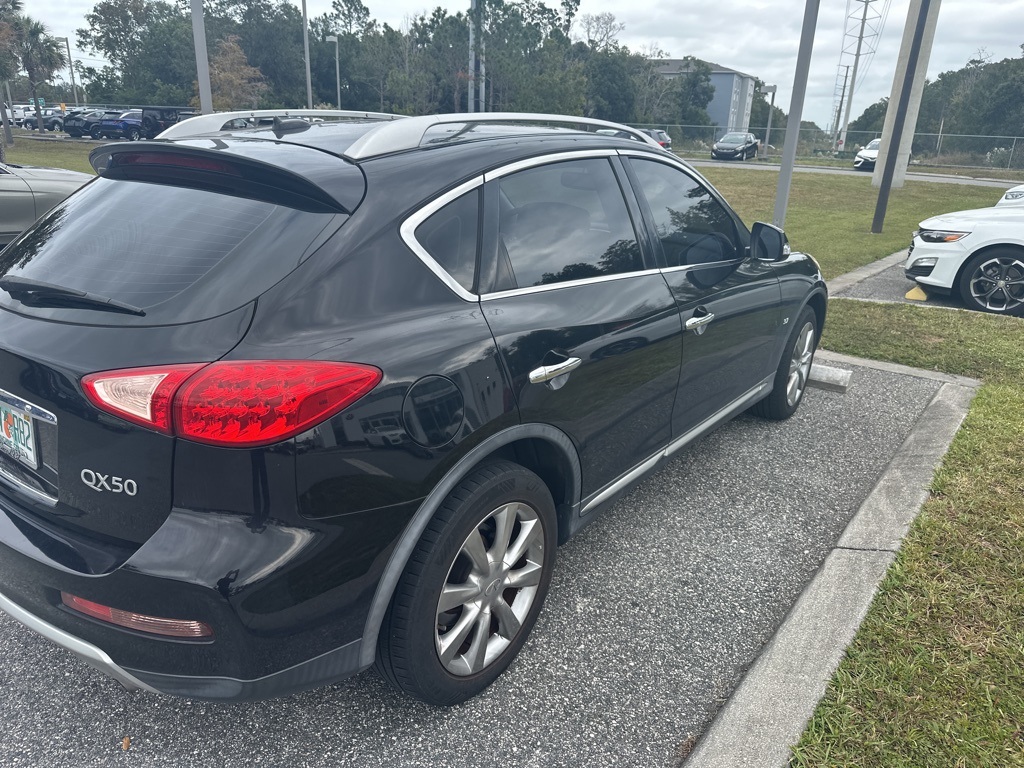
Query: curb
point(844, 282)
point(769, 710)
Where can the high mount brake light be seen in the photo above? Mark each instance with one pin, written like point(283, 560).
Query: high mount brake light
point(174, 160)
point(232, 403)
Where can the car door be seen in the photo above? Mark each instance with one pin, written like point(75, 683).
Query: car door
point(729, 303)
point(17, 206)
point(587, 329)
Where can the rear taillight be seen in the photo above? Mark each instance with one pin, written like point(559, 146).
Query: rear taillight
point(233, 403)
point(154, 625)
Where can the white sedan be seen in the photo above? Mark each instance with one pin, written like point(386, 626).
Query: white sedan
point(1014, 196)
point(978, 255)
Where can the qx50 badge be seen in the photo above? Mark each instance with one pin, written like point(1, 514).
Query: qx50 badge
point(99, 483)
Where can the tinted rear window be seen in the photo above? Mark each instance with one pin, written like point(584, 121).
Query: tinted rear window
point(180, 254)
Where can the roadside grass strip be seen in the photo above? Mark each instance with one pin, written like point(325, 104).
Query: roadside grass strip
point(935, 676)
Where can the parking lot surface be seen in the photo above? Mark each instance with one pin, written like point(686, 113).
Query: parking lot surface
point(655, 613)
point(884, 281)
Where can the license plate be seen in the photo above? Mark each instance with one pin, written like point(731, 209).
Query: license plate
point(16, 435)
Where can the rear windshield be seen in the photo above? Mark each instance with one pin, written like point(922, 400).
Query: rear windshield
point(180, 254)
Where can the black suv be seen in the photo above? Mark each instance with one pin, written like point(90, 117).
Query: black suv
point(280, 404)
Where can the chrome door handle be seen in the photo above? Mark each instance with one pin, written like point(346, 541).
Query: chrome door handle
point(700, 321)
point(549, 372)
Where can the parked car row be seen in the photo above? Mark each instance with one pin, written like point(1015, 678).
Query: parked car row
point(102, 123)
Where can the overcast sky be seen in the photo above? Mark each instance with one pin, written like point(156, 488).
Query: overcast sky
point(758, 37)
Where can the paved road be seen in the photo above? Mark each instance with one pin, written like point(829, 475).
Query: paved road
point(939, 178)
point(655, 613)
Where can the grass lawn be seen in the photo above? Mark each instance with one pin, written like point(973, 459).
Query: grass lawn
point(935, 676)
point(829, 216)
point(70, 154)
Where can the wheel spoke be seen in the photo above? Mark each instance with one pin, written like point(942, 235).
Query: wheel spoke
point(456, 594)
point(504, 523)
point(476, 656)
point(476, 551)
point(527, 576)
point(508, 622)
point(452, 640)
point(530, 533)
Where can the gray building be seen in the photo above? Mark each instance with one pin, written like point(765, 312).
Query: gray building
point(734, 93)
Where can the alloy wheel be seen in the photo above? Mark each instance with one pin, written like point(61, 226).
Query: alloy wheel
point(997, 285)
point(800, 364)
point(491, 586)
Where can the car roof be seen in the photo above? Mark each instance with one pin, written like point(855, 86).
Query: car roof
point(359, 136)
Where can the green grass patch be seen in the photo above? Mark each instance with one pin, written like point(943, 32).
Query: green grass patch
point(829, 215)
point(69, 154)
point(935, 676)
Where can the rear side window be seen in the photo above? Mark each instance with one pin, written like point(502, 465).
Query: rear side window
point(180, 254)
point(450, 237)
point(565, 221)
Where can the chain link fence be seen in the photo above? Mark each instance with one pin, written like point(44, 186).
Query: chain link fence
point(933, 150)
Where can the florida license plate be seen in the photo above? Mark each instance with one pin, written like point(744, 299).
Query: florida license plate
point(16, 435)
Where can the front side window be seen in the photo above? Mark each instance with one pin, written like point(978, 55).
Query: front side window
point(564, 221)
point(693, 227)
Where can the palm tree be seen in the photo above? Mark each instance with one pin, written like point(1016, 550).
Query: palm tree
point(41, 56)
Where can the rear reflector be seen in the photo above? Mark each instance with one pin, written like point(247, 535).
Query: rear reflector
point(153, 625)
point(240, 404)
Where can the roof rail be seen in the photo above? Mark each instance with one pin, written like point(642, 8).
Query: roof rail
point(409, 133)
point(215, 121)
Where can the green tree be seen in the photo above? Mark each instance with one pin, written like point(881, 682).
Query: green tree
point(694, 92)
point(41, 56)
point(235, 84)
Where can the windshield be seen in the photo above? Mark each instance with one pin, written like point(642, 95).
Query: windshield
point(734, 138)
point(874, 144)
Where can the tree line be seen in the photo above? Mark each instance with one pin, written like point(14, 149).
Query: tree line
point(536, 58)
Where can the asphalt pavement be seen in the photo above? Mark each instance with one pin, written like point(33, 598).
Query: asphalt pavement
point(883, 281)
point(657, 613)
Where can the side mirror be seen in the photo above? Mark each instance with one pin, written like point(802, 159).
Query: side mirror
point(768, 242)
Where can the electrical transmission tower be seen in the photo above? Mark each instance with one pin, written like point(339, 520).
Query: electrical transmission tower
point(862, 30)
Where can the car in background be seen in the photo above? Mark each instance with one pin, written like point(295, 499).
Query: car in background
point(156, 119)
point(19, 112)
point(977, 255)
point(1013, 196)
point(86, 122)
point(27, 192)
point(865, 158)
point(127, 125)
point(735, 146)
point(53, 119)
point(660, 136)
point(285, 402)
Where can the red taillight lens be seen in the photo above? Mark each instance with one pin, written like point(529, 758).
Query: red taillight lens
point(153, 625)
point(236, 403)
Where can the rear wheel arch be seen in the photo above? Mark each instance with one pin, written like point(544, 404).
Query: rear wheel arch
point(544, 450)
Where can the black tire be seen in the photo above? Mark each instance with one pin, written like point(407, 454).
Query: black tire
point(491, 604)
point(95, 133)
point(993, 281)
point(133, 134)
point(790, 382)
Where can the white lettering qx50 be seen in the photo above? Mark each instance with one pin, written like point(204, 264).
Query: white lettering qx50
point(100, 483)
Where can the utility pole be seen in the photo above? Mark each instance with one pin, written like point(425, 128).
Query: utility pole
point(771, 108)
point(471, 102)
point(305, 48)
point(853, 79)
point(837, 142)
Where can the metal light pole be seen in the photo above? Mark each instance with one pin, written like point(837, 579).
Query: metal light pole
point(337, 65)
point(305, 48)
point(202, 58)
point(796, 110)
point(771, 108)
point(71, 68)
